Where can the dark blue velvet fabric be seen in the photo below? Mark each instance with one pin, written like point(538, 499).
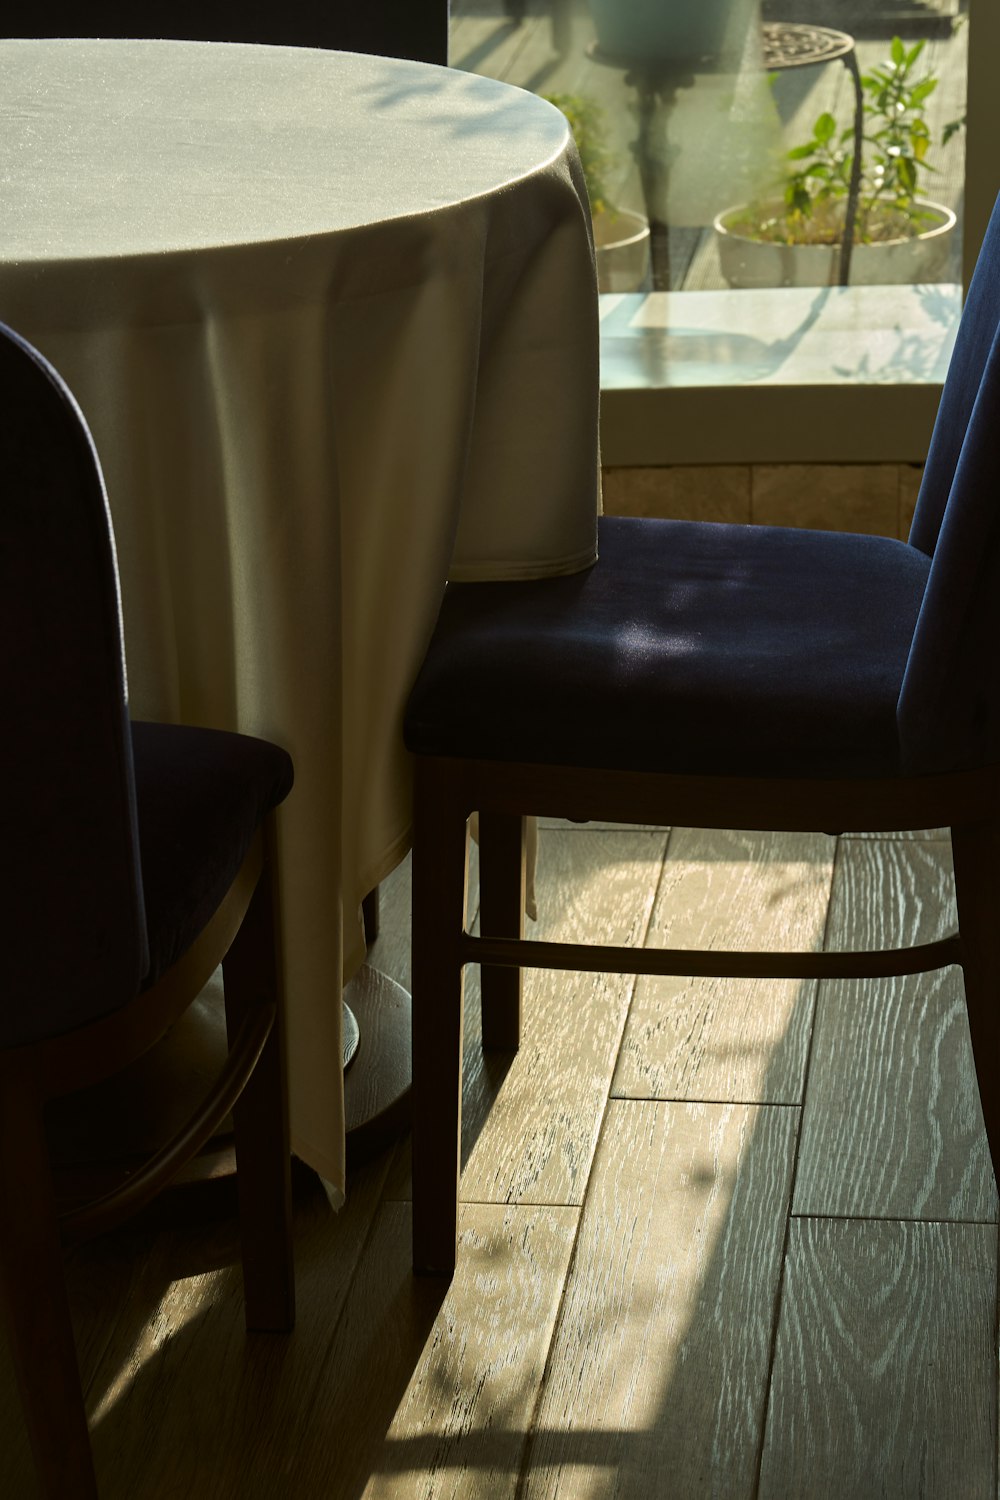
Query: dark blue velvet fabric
point(73, 941)
point(688, 647)
point(949, 709)
point(201, 795)
point(111, 866)
point(718, 649)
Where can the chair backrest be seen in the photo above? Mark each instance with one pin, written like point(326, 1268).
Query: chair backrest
point(949, 707)
point(73, 936)
point(416, 29)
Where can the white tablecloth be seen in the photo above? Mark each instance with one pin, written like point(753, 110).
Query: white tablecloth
point(332, 320)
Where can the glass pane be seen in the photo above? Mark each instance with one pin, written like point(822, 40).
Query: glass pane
point(719, 135)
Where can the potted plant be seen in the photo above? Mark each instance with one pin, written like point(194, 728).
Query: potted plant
point(621, 237)
point(899, 235)
point(691, 33)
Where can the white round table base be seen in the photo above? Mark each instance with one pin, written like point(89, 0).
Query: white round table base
point(377, 1084)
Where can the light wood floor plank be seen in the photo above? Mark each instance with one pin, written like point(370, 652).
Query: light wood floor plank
point(188, 1403)
point(428, 1390)
point(530, 1121)
point(657, 1382)
point(729, 1038)
point(105, 1279)
point(390, 953)
point(892, 1126)
point(884, 1384)
point(938, 834)
point(599, 825)
point(393, 1388)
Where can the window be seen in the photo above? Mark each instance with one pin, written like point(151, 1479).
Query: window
point(691, 304)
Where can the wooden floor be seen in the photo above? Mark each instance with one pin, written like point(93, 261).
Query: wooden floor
point(720, 1239)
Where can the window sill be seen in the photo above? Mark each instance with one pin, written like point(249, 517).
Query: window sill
point(782, 375)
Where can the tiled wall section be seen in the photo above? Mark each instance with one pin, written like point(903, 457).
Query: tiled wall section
point(876, 498)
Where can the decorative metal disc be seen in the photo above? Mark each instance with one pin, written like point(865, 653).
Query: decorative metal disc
point(789, 44)
point(352, 1036)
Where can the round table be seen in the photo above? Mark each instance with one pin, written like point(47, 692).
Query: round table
point(333, 322)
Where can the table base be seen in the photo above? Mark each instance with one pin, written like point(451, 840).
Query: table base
point(98, 1137)
point(377, 1084)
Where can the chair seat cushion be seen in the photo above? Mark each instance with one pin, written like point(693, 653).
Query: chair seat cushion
point(689, 647)
point(201, 795)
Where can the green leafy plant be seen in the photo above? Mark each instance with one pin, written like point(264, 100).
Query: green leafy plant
point(896, 146)
point(587, 124)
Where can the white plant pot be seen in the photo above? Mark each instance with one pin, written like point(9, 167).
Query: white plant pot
point(622, 241)
point(748, 263)
point(677, 31)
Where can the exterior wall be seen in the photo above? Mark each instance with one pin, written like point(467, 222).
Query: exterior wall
point(873, 498)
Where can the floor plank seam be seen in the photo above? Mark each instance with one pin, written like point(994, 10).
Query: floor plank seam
point(518, 1203)
point(138, 1271)
point(703, 1099)
point(886, 1219)
point(532, 1425)
point(438, 1422)
point(780, 1288)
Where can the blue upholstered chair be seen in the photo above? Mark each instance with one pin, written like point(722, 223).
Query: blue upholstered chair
point(721, 677)
point(136, 858)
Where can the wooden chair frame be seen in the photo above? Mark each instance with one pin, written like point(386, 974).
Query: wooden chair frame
point(448, 791)
point(243, 936)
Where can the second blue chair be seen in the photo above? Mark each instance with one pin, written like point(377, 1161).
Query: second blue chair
point(719, 677)
point(137, 857)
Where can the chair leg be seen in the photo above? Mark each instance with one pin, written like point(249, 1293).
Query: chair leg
point(440, 883)
point(34, 1302)
point(370, 916)
point(976, 851)
point(252, 972)
point(501, 914)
